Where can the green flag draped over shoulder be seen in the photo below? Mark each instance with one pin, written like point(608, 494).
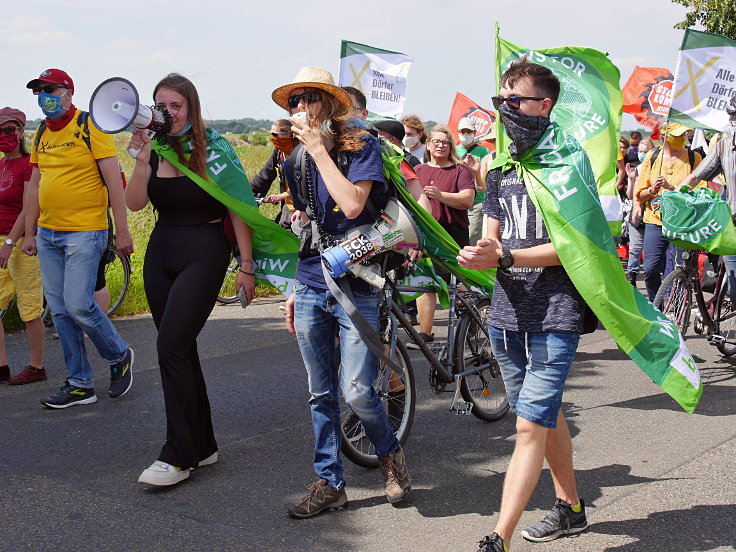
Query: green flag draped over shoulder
point(438, 244)
point(274, 248)
point(589, 108)
point(561, 184)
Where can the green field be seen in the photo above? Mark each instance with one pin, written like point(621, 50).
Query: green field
point(253, 157)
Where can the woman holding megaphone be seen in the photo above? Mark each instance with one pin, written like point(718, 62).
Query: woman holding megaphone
point(185, 264)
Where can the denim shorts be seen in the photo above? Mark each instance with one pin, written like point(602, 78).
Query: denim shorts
point(534, 366)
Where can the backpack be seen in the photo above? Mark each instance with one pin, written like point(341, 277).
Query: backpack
point(389, 260)
point(83, 125)
point(657, 150)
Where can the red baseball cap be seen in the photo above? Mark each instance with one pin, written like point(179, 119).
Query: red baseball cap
point(52, 76)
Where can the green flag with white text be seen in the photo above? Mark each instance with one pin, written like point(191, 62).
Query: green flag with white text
point(589, 108)
point(379, 74)
point(705, 80)
point(561, 184)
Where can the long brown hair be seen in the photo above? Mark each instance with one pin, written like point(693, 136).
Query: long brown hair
point(196, 134)
point(347, 137)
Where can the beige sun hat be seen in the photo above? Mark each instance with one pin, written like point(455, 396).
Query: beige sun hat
point(312, 77)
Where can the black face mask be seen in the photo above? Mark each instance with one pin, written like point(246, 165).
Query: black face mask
point(524, 130)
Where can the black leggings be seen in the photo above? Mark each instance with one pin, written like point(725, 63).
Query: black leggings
point(183, 272)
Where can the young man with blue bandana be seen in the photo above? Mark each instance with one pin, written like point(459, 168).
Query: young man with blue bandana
point(67, 204)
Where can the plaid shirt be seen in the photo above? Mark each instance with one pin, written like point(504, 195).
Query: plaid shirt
point(721, 159)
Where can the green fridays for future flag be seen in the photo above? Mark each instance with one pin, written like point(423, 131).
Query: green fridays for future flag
point(274, 248)
point(589, 108)
point(379, 74)
point(561, 183)
point(705, 80)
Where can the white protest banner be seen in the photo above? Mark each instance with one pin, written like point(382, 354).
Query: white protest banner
point(705, 80)
point(379, 74)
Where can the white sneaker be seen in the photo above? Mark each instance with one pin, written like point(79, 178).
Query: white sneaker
point(211, 459)
point(162, 474)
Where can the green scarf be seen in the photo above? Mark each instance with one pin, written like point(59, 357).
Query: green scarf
point(562, 186)
point(274, 248)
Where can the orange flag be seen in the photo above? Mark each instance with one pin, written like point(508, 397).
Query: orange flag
point(647, 96)
point(485, 120)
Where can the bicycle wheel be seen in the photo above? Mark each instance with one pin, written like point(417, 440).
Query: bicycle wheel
point(399, 406)
point(4, 311)
point(674, 299)
point(726, 322)
point(117, 279)
point(484, 390)
point(228, 293)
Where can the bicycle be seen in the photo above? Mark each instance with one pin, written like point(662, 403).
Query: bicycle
point(716, 315)
point(117, 277)
point(464, 360)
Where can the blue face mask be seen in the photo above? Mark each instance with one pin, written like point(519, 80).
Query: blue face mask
point(186, 128)
point(641, 155)
point(50, 104)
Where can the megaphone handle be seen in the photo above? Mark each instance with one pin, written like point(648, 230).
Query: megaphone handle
point(134, 152)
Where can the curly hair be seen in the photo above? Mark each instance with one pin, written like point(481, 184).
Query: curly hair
point(197, 134)
point(412, 121)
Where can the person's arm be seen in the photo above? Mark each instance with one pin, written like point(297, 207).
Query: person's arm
point(261, 183)
point(457, 200)
point(621, 174)
point(476, 167)
point(136, 192)
point(32, 212)
point(110, 169)
point(415, 189)
point(486, 253)
point(351, 197)
point(246, 275)
point(19, 228)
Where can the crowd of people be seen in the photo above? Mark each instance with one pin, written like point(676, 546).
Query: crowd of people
point(56, 194)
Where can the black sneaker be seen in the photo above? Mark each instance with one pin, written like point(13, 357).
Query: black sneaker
point(320, 497)
point(560, 521)
point(491, 543)
point(69, 395)
point(424, 337)
point(121, 375)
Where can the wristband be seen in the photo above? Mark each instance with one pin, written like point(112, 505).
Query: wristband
point(247, 273)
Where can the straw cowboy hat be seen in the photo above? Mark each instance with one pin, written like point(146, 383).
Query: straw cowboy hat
point(312, 77)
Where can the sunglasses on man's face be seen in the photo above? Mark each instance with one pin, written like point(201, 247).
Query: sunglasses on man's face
point(308, 97)
point(48, 89)
point(8, 130)
point(514, 102)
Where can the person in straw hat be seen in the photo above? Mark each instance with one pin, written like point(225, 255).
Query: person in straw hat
point(336, 200)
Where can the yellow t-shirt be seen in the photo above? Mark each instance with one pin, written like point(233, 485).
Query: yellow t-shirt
point(71, 194)
point(674, 172)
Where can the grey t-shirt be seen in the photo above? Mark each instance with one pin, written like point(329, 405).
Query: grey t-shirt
point(527, 299)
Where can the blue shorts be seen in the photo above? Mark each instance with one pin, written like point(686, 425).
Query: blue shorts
point(534, 384)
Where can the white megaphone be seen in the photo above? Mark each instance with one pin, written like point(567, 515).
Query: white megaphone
point(395, 230)
point(115, 106)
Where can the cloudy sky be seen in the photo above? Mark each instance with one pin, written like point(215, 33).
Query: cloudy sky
point(237, 52)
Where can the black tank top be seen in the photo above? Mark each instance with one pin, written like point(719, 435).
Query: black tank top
point(180, 201)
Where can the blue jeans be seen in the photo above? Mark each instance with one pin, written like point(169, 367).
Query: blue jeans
point(69, 262)
point(659, 258)
point(730, 262)
point(318, 318)
point(636, 244)
point(534, 366)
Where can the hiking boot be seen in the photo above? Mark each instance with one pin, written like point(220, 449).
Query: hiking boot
point(424, 337)
point(491, 543)
point(69, 395)
point(395, 475)
point(560, 521)
point(4, 373)
point(162, 474)
point(320, 497)
point(121, 375)
point(29, 374)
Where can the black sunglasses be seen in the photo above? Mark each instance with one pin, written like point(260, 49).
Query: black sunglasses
point(49, 89)
point(514, 102)
point(8, 129)
point(308, 97)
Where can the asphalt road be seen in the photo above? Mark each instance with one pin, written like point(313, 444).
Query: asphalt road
point(654, 478)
